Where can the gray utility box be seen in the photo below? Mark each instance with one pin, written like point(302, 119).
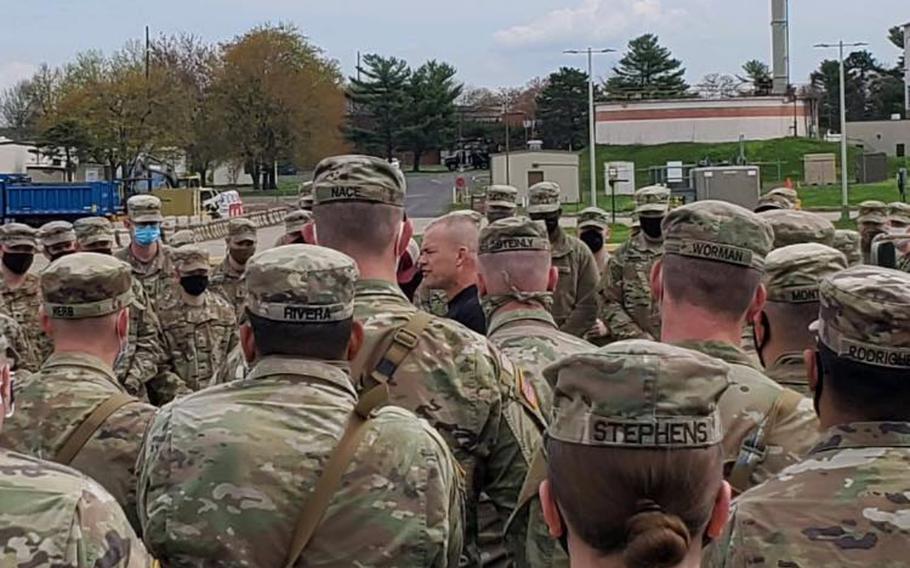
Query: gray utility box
point(735, 184)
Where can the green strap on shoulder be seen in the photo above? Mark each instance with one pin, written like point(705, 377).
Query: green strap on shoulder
point(328, 483)
point(81, 435)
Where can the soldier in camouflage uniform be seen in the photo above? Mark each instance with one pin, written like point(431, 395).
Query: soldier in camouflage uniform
point(773, 202)
point(709, 284)
point(575, 299)
point(594, 231)
point(57, 239)
point(899, 216)
point(55, 516)
point(305, 196)
point(87, 297)
point(182, 238)
point(448, 375)
point(199, 325)
point(847, 242)
point(502, 202)
point(845, 504)
point(626, 307)
point(294, 223)
point(240, 245)
point(792, 227)
point(872, 221)
point(792, 275)
point(137, 365)
point(19, 352)
point(226, 471)
point(149, 258)
point(789, 194)
point(20, 297)
point(635, 450)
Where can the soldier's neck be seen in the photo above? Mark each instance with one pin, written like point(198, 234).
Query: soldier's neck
point(144, 254)
point(11, 279)
point(192, 300)
point(106, 353)
point(236, 266)
point(376, 269)
point(687, 323)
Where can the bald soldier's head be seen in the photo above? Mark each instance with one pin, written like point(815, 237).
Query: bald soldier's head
point(448, 254)
point(515, 259)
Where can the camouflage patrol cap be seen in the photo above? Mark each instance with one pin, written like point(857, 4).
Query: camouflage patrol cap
point(301, 284)
point(56, 233)
point(593, 217)
point(792, 273)
point(358, 178)
point(543, 197)
point(144, 209)
point(848, 242)
point(504, 196)
point(873, 212)
point(305, 196)
point(182, 238)
point(792, 227)
point(652, 201)
point(92, 230)
point(474, 216)
point(718, 231)
point(899, 213)
point(769, 202)
point(638, 394)
point(787, 193)
point(865, 316)
point(241, 229)
point(20, 235)
point(86, 285)
point(514, 234)
point(190, 259)
point(295, 221)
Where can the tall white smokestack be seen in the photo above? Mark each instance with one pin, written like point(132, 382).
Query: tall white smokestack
point(780, 46)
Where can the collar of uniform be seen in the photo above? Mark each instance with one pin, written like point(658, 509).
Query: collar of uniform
point(228, 269)
point(201, 313)
point(503, 318)
point(31, 283)
point(644, 243)
point(372, 287)
point(83, 360)
point(157, 264)
point(856, 435)
point(336, 373)
point(721, 350)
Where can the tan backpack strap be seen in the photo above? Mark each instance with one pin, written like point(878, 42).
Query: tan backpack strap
point(328, 483)
point(78, 438)
point(403, 340)
point(537, 472)
point(753, 450)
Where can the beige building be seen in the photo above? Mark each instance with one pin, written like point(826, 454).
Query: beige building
point(889, 136)
point(524, 168)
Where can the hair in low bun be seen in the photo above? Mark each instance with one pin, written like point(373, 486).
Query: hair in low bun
point(655, 539)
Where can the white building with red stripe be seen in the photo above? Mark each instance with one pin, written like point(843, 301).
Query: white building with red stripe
point(653, 122)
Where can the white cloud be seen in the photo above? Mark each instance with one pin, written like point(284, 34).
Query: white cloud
point(11, 72)
point(593, 20)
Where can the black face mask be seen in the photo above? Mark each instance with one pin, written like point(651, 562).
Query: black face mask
point(817, 395)
point(651, 226)
point(195, 284)
point(61, 254)
point(18, 262)
point(594, 239)
point(297, 240)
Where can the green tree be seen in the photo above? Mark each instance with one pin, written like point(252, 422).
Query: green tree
point(70, 138)
point(379, 97)
point(759, 75)
point(826, 82)
point(431, 118)
point(17, 110)
point(562, 108)
point(647, 70)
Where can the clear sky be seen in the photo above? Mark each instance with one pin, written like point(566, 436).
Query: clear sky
point(492, 42)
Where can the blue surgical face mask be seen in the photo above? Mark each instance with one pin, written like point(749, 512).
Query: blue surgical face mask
point(146, 235)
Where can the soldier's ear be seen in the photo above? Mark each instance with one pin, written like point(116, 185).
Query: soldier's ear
point(123, 323)
point(407, 231)
point(356, 341)
point(47, 325)
point(721, 512)
point(758, 303)
point(247, 343)
point(656, 279)
point(552, 279)
point(550, 509)
point(309, 233)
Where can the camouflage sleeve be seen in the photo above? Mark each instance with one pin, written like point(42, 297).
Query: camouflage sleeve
point(22, 353)
point(154, 472)
point(167, 384)
point(791, 437)
point(102, 534)
point(584, 314)
point(620, 324)
point(141, 366)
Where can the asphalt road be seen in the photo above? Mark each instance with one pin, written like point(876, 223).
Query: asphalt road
point(429, 195)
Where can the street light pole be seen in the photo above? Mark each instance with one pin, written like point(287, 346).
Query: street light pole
point(844, 181)
point(592, 152)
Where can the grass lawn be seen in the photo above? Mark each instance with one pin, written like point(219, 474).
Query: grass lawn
point(829, 197)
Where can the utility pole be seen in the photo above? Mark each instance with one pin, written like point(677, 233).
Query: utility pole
point(592, 151)
point(844, 179)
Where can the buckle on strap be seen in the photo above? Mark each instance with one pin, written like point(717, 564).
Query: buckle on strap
point(406, 337)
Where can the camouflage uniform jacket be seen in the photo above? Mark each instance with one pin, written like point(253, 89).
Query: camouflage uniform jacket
point(845, 504)
point(233, 368)
point(50, 405)
point(529, 338)
point(430, 300)
point(626, 307)
point(225, 280)
point(903, 263)
point(20, 352)
point(234, 463)
point(197, 339)
point(55, 516)
point(144, 353)
point(22, 304)
point(468, 391)
point(746, 405)
point(575, 298)
point(790, 371)
point(157, 276)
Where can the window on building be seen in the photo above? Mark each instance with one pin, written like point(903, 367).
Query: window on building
point(534, 177)
point(901, 150)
